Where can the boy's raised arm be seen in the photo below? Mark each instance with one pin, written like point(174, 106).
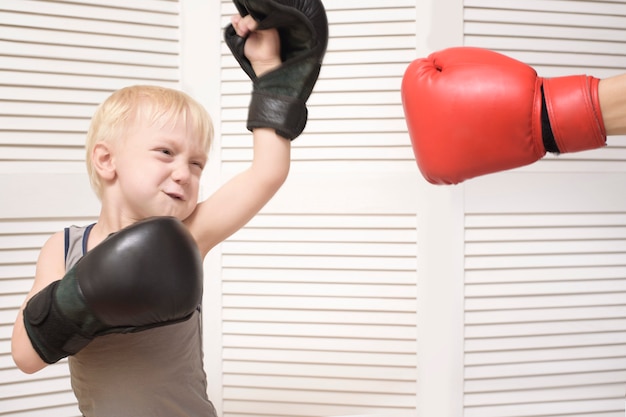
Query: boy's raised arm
point(280, 45)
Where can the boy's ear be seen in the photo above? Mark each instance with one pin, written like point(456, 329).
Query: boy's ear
point(103, 162)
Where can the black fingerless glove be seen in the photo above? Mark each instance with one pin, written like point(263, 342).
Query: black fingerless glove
point(279, 96)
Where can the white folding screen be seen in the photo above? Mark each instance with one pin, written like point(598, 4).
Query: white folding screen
point(544, 295)
point(319, 291)
point(545, 246)
point(58, 60)
point(557, 38)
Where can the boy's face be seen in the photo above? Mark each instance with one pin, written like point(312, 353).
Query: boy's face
point(158, 170)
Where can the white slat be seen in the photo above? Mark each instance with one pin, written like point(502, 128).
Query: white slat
point(319, 290)
point(59, 60)
point(48, 390)
point(305, 300)
point(359, 64)
point(544, 295)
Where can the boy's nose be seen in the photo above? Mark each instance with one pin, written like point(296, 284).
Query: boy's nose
point(181, 173)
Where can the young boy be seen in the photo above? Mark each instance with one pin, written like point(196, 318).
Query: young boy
point(146, 149)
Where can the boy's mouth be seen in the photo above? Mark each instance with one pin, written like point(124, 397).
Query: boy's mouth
point(176, 196)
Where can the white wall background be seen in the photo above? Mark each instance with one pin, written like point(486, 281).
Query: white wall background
point(360, 288)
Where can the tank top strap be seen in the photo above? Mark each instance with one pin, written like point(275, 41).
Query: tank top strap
point(76, 238)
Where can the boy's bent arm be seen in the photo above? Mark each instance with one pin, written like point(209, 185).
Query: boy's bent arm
point(243, 196)
point(50, 267)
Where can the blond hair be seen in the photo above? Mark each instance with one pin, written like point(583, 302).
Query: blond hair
point(115, 117)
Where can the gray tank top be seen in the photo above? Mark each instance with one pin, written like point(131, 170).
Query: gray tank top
point(152, 373)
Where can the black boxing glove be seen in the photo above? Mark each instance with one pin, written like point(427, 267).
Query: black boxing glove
point(146, 275)
point(279, 96)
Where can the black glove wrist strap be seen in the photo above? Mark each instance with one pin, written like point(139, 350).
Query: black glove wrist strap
point(285, 114)
point(52, 335)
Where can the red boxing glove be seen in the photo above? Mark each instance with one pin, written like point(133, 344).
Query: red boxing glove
point(472, 112)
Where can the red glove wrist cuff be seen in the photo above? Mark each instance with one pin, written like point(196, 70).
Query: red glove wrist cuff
point(574, 112)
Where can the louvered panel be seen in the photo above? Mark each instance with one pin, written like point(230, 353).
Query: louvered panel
point(525, 13)
point(60, 62)
point(361, 276)
point(51, 96)
point(57, 371)
point(69, 411)
point(141, 11)
point(346, 29)
point(81, 81)
point(353, 112)
point(607, 54)
point(320, 398)
point(38, 153)
point(330, 304)
point(44, 138)
point(357, 91)
point(545, 281)
point(336, 127)
point(563, 368)
point(161, 6)
point(346, 97)
point(239, 152)
point(527, 341)
point(556, 38)
point(98, 13)
point(539, 314)
point(49, 390)
point(478, 31)
point(358, 317)
point(572, 354)
point(46, 109)
point(252, 408)
point(319, 290)
point(544, 271)
point(78, 25)
point(41, 123)
point(59, 386)
point(339, 385)
point(62, 405)
point(112, 62)
point(106, 40)
point(325, 344)
point(323, 305)
point(547, 381)
point(381, 167)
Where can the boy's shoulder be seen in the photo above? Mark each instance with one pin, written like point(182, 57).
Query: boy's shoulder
point(60, 243)
point(57, 240)
point(51, 260)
